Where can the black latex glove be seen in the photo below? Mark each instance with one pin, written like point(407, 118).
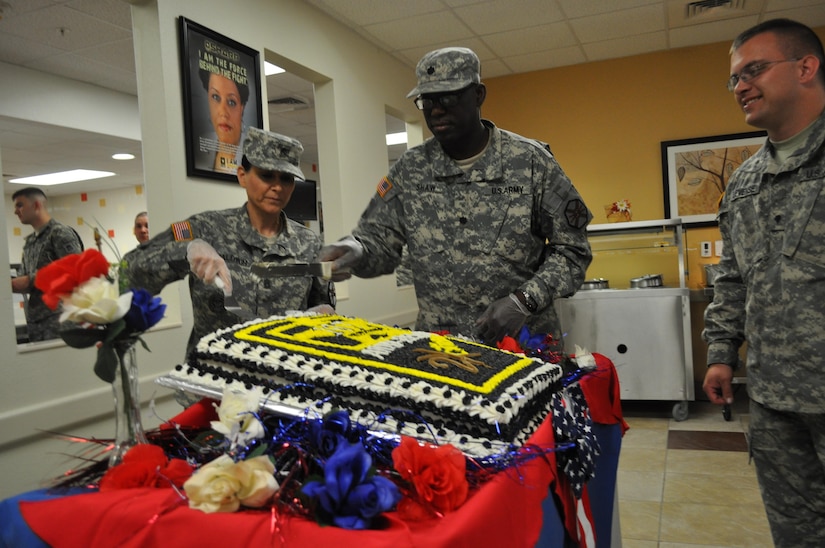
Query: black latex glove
point(506, 316)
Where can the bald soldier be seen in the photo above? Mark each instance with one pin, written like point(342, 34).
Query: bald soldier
point(216, 249)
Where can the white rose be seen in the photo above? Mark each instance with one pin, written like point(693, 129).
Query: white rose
point(214, 487)
point(223, 485)
point(258, 482)
point(96, 301)
point(237, 421)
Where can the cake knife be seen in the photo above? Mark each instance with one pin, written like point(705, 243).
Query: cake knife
point(275, 270)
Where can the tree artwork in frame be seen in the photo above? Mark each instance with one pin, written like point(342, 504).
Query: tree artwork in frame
point(696, 173)
point(221, 99)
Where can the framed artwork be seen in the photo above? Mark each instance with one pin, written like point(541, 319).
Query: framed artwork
point(221, 98)
point(696, 173)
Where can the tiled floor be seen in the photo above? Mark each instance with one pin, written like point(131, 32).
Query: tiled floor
point(688, 484)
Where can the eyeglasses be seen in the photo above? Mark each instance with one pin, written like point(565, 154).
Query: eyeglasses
point(447, 100)
point(752, 71)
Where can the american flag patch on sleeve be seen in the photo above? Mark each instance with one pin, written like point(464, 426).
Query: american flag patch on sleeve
point(182, 231)
point(383, 187)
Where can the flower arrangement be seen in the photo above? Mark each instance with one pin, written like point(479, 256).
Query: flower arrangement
point(618, 211)
point(98, 313)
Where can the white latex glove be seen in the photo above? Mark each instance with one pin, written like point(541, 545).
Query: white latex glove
point(345, 254)
point(207, 265)
point(503, 317)
point(322, 309)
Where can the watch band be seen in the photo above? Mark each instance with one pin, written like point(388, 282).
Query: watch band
point(525, 299)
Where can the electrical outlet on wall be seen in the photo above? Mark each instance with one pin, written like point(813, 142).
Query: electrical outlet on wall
point(704, 249)
point(718, 248)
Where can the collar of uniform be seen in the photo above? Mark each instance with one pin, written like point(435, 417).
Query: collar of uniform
point(487, 168)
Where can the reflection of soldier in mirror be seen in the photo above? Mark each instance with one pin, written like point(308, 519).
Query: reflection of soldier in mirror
point(141, 228)
point(50, 241)
point(227, 100)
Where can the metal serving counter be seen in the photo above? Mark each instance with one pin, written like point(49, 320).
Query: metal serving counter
point(644, 331)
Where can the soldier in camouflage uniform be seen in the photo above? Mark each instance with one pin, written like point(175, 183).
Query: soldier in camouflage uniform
point(50, 241)
point(223, 245)
point(771, 287)
point(494, 228)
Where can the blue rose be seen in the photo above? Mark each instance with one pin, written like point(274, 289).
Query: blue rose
point(349, 496)
point(330, 432)
point(145, 311)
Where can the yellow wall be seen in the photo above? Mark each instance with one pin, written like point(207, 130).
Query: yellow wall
point(605, 122)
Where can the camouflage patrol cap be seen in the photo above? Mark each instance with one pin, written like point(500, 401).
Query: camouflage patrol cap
point(273, 151)
point(446, 69)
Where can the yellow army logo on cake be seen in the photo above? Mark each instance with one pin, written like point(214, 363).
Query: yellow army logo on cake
point(456, 362)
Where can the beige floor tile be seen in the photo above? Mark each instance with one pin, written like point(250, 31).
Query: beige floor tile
point(641, 437)
point(646, 423)
point(636, 485)
point(716, 489)
point(639, 519)
point(742, 525)
point(707, 423)
point(642, 459)
point(721, 463)
point(636, 543)
point(681, 545)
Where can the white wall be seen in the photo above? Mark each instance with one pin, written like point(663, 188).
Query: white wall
point(52, 388)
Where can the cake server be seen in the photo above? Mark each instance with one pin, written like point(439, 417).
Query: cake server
point(275, 270)
point(231, 304)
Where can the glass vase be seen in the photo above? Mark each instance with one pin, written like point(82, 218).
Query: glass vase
point(128, 427)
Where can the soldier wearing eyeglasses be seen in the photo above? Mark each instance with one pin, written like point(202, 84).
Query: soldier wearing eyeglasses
point(771, 287)
point(494, 228)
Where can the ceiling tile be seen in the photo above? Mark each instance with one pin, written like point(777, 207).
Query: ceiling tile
point(531, 39)
point(368, 12)
point(584, 8)
point(717, 31)
point(405, 34)
point(503, 15)
point(623, 47)
point(546, 59)
point(618, 24)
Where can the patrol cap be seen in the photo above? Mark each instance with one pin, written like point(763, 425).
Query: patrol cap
point(446, 69)
point(273, 151)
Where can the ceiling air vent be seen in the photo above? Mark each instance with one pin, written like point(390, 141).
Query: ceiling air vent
point(290, 102)
point(696, 9)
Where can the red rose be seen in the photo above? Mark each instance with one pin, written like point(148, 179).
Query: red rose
point(510, 344)
point(438, 474)
point(145, 465)
point(60, 277)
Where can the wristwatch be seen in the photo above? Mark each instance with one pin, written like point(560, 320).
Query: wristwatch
point(525, 299)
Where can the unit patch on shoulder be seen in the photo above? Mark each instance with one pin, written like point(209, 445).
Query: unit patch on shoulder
point(182, 231)
point(383, 187)
point(576, 213)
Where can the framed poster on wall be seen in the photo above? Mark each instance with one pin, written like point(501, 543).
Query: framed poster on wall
point(696, 173)
point(221, 98)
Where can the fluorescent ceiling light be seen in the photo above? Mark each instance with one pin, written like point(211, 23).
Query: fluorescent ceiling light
point(270, 69)
point(123, 156)
point(396, 138)
point(62, 177)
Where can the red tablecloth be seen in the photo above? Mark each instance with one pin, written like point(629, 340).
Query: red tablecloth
point(506, 511)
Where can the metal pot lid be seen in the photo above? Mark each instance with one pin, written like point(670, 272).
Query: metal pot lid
point(648, 280)
point(596, 283)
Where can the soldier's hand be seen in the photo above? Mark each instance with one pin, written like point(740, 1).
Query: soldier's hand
point(207, 265)
point(345, 255)
point(718, 384)
point(503, 317)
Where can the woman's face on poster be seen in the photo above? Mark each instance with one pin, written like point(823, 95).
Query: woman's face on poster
point(225, 109)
